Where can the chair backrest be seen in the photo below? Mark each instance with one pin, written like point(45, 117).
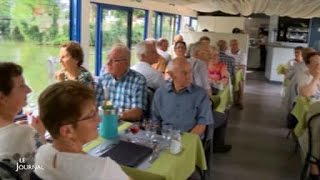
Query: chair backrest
point(150, 94)
point(313, 118)
point(291, 94)
point(208, 134)
point(8, 170)
point(34, 176)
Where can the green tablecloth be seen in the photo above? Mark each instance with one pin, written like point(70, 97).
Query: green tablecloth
point(222, 100)
point(238, 78)
point(168, 166)
point(300, 111)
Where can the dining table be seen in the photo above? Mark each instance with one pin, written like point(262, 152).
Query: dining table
point(300, 112)
point(238, 78)
point(223, 99)
point(167, 166)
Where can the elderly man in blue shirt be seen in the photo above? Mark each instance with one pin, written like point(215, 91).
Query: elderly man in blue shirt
point(180, 103)
point(127, 89)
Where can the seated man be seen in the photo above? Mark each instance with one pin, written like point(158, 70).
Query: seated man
point(161, 63)
point(180, 103)
point(147, 54)
point(200, 53)
point(127, 89)
point(240, 63)
point(162, 47)
point(226, 59)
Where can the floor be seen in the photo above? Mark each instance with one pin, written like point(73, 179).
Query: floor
point(260, 147)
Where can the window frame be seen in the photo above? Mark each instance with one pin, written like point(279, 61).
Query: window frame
point(160, 15)
point(98, 35)
point(75, 21)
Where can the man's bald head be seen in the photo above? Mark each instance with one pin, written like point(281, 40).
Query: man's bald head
point(178, 38)
point(181, 72)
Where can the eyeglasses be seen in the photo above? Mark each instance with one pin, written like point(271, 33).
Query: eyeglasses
point(115, 60)
point(90, 116)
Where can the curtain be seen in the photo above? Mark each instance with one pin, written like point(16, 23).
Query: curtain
point(292, 8)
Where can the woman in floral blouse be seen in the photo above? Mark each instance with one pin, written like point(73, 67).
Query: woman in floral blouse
point(71, 59)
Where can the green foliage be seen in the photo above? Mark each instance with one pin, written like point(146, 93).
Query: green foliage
point(33, 20)
point(60, 39)
point(92, 39)
point(137, 34)
point(116, 34)
point(5, 6)
point(16, 34)
point(5, 29)
point(139, 13)
point(34, 33)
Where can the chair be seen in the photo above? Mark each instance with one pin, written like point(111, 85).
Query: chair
point(34, 176)
point(313, 130)
point(150, 94)
point(207, 146)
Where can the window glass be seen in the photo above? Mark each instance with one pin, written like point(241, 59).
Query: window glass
point(30, 34)
point(138, 23)
point(194, 23)
point(92, 39)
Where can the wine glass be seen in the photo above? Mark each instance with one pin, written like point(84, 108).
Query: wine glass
point(134, 129)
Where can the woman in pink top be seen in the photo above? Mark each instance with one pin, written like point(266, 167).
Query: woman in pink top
point(217, 72)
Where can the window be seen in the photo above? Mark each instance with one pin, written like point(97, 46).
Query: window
point(194, 23)
point(116, 24)
point(30, 34)
point(166, 26)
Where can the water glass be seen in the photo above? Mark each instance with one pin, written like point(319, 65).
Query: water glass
point(166, 132)
point(151, 129)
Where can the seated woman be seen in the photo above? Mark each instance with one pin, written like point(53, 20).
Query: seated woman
point(71, 59)
point(309, 86)
point(217, 72)
point(309, 81)
point(180, 49)
point(16, 141)
point(72, 122)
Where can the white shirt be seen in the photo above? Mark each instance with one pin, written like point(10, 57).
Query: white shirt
point(18, 141)
point(304, 79)
point(298, 68)
point(165, 55)
point(75, 166)
point(240, 57)
point(154, 78)
point(200, 73)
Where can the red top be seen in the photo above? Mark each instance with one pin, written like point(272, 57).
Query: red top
point(215, 72)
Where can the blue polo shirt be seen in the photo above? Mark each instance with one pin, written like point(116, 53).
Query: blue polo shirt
point(183, 110)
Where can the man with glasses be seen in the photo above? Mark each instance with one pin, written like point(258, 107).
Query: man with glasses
point(127, 89)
